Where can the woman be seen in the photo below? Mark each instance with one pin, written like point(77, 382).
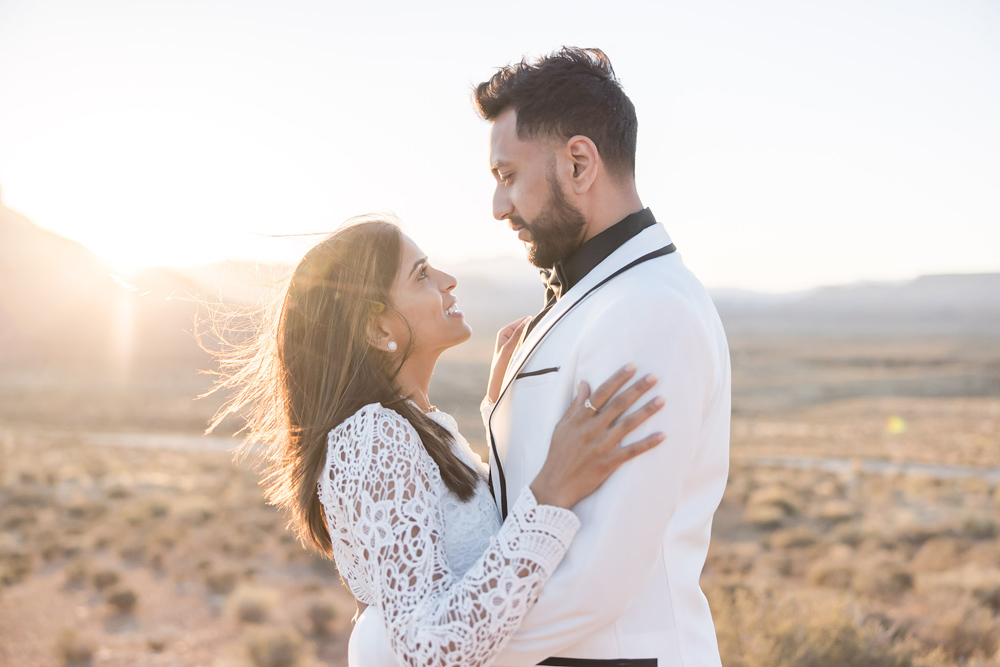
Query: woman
point(374, 476)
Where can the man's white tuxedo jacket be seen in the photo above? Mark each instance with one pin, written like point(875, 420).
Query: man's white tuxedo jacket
point(629, 586)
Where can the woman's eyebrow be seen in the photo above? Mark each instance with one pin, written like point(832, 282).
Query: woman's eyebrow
point(416, 265)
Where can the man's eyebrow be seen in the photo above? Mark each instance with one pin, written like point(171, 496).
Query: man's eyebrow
point(496, 165)
point(416, 265)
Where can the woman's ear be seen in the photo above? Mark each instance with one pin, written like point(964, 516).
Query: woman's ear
point(379, 331)
point(585, 161)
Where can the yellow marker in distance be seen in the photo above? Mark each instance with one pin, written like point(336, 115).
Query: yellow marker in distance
point(895, 425)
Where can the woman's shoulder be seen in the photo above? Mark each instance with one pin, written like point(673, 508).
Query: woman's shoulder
point(372, 422)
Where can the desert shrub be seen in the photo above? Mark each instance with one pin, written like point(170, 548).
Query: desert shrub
point(119, 492)
point(323, 566)
point(15, 566)
point(122, 599)
point(156, 644)
point(849, 534)
point(915, 533)
point(275, 648)
point(76, 575)
point(252, 605)
point(980, 527)
point(989, 596)
point(103, 579)
point(73, 650)
point(759, 629)
point(321, 615)
point(938, 554)
point(133, 551)
point(793, 538)
point(776, 496)
point(156, 561)
point(836, 511)
point(828, 488)
point(764, 517)
point(17, 518)
point(221, 583)
point(86, 511)
point(882, 579)
point(831, 573)
point(967, 630)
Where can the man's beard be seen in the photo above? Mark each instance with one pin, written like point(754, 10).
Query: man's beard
point(557, 232)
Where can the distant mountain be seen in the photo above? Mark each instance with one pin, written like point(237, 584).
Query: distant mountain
point(61, 305)
point(935, 304)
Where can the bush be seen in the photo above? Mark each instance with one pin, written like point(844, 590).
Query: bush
point(764, 630)
point(966, 631)
point(103, 579)
point(882, 579)
point(836, 511)
point(122, 600)
point(74, 651)
point(831, 574)
point(221, 583)
point(764, 517)
point(76, 575)
point(795, 538)
point(321, 615)
point(776, 496)
point(252, 605)
point(938, 554)
point(276, 648)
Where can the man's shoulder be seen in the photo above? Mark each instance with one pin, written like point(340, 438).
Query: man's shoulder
point(658, 285)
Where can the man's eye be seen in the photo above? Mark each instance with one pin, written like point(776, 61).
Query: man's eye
point(506, 178)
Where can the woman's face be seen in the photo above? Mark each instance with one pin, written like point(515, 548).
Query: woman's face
point(422, 295)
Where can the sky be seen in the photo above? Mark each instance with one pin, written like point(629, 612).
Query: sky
point(784, 144)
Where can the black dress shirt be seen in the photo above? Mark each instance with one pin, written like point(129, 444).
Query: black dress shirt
point(560, 278)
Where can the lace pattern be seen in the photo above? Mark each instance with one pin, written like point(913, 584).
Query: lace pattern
point(448, 597)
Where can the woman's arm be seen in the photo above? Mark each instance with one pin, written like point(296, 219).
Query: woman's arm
point(433, 616)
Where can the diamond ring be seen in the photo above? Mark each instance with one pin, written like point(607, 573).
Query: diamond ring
point(590, 406)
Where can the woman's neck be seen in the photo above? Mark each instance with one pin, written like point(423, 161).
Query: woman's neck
point(414, 379)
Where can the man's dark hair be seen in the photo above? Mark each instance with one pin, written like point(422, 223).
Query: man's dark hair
point(569, 92)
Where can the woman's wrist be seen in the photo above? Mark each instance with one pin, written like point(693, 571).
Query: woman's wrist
point(546, 493)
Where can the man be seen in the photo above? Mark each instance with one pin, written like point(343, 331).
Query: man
point(562, 151)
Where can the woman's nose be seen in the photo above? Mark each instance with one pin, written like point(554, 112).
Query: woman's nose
point(448, 282)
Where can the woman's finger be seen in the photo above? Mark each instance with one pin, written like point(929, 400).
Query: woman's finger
point(604, 392)
point(624, 400)
point(632, 421)
point(623, 454)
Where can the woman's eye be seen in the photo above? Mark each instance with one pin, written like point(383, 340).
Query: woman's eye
point(423, 273)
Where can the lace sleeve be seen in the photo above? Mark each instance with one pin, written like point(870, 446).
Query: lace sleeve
point(485, 410)
point(432, 616)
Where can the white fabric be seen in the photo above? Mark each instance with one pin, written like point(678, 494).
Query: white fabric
point(629, 585)
point(446, 583)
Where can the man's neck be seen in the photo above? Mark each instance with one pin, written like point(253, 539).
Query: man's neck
point(611, 209)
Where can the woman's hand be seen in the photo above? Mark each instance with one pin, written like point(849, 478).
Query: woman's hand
point(507, 339)
point(585, 444)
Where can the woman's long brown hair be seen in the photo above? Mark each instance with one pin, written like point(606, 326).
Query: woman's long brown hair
point(311, 365)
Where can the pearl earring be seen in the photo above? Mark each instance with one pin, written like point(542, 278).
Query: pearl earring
point(391, 345)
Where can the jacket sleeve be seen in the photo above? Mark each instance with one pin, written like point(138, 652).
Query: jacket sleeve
point(624, 521)
point(432, 615)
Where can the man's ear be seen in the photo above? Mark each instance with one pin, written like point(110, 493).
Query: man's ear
point(585, 161)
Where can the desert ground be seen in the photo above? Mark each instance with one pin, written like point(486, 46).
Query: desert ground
point(860, 526)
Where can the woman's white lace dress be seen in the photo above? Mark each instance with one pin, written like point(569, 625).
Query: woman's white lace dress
point(446, 583)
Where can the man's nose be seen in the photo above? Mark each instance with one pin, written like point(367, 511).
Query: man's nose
point(502, 208)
